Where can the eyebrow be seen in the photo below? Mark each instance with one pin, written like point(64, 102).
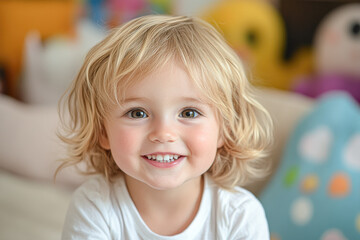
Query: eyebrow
point(136, 99)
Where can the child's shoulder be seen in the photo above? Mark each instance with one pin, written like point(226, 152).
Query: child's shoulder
point(94, 184)
point(239, 199)
point(243, 208)
point(96, 190)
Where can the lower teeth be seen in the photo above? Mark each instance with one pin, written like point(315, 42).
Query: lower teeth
point(163, 161)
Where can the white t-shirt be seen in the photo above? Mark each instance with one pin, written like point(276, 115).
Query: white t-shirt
point(100, 210)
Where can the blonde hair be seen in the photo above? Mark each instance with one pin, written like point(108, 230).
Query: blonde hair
point(136, 49)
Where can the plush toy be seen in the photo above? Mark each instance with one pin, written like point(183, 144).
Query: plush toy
point(161, 6)
point(50, 67)
point(315, 192)
point(256, 31)
point(121, 11)
point(337, 54)
point(17, 18)
point(95, 10)
point(112, 13)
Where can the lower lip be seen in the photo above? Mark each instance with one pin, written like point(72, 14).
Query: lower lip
point(164, 164)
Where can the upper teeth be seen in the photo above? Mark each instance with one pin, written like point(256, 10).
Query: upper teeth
point(163, 158)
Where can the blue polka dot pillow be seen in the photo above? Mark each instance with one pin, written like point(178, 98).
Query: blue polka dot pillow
point(315, 193)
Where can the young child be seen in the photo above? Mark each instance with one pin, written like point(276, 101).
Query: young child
point(163, 111)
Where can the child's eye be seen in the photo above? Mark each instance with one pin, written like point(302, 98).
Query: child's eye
point(137, 113)
point(189, 113)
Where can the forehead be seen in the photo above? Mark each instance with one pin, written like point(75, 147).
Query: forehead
point(171, 79)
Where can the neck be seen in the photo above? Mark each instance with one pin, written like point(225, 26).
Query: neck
point(166, 212)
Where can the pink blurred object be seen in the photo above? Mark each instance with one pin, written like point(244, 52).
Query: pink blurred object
point(317, 85)
point(337, 55)
point(124, 10)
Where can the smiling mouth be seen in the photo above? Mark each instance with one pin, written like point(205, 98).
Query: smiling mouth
point(163, 158)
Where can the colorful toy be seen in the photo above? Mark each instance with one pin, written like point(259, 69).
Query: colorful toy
point(17, 18)
point(95, 10)
point(121, 11)
point(50, 66)
point(256, 31)
point(337, 54)
point(161, 6)
point(112, 13)
point(315, 192)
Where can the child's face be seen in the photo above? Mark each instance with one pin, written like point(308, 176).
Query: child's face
point(163, 117)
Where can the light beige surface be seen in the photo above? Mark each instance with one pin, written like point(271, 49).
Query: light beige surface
point(32, 207)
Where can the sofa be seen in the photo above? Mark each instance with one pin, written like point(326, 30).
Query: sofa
point(33, 205)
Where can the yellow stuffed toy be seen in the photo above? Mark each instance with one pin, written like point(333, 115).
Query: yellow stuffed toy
point(256, 31)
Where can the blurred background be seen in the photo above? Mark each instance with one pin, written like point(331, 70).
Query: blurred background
point(303, 56)
point(43, 42)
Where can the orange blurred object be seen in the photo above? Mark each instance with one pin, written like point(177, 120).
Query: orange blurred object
point(18, 17)
point(339, 185)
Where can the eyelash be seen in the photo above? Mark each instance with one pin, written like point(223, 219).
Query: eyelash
point(143, 113)
point(129, 113)
point(197, 113)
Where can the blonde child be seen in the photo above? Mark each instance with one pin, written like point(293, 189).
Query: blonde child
point(163, 112)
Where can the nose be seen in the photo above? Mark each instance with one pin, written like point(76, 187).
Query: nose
point(162, 132)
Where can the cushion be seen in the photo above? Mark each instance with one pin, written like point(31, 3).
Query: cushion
point(286, 109)
point(28, 142)
point(315, 192)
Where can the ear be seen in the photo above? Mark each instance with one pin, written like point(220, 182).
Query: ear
point(104, 140)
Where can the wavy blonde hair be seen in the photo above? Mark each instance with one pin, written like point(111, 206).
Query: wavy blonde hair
point(143, 45)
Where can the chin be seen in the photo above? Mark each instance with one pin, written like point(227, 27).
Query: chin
point(164, 184)
point(167, 183)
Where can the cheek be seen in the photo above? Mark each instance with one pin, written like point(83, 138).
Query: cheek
point(123, 142)
point(203, 142)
